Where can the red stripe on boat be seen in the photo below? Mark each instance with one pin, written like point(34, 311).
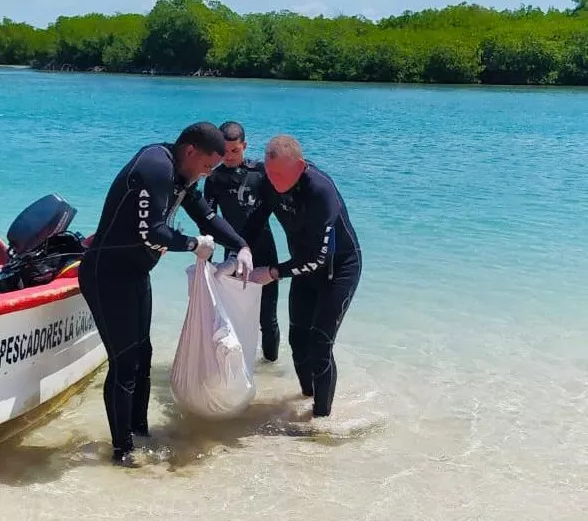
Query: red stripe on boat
point(39, 295)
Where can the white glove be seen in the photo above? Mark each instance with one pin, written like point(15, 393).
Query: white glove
point(244, 263)
point(227, 267)
point(205, 247)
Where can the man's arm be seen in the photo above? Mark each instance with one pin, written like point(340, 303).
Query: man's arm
point(209, 223)
point(322, 212)
point(258, 219)
point(210, 194)
point(152, 178)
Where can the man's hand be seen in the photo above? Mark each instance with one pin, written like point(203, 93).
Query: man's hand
point(205, 247)
point(244, 264)
point(263, 275)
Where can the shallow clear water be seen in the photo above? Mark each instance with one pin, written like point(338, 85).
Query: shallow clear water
point(463, 386)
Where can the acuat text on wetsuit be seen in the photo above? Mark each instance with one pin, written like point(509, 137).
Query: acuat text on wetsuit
point(137, 221)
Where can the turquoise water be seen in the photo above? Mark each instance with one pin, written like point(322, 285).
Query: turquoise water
point(464, 375)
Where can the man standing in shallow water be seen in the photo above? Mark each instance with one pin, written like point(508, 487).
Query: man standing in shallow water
point(325, 264)
point(134, 231)
point(234, 187)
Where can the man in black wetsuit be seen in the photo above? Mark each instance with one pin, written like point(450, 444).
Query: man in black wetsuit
point(135, 230)
point(234, 187)
point(325, 263)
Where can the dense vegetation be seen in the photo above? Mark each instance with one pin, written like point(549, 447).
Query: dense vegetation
point(458, 44)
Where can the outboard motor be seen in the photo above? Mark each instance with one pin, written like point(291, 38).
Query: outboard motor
point(39, 245)
point(4, 257)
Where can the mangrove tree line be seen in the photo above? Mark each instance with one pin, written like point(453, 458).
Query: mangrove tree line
point(459, 44)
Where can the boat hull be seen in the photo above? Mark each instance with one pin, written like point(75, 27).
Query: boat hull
point(48, 343)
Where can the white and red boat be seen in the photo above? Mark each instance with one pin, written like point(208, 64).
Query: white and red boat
point(48, 339)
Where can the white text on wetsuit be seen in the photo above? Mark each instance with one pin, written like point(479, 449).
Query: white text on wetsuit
point(144, 203)
point(313, 266)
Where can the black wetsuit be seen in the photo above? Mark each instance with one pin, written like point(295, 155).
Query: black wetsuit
point(135, 229)
point(325, 267)
point(236, 191)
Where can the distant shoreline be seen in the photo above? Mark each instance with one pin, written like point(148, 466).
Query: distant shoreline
point(188, 75)
point(203, 72)
point(457, 45)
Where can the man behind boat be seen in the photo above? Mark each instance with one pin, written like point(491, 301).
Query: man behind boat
point(325, 263)
point(234, 187)
point(135, 230)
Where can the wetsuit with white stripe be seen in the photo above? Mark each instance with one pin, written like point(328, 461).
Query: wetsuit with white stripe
point(135, 230)
point(325, 267)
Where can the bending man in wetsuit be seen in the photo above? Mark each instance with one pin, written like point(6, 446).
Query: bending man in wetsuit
point(135, 230)
point(234, 186)
point(325, 263)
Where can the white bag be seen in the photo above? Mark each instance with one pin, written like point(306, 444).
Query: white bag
point(212, 372)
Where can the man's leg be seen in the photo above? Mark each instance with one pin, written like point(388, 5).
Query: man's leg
point(266, 255)
point(139, 423)
point(334, 299)
point(115, 307)
point(268, 318)
point(302, 304)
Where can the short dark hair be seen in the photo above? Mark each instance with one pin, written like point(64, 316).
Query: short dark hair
point(204, 136)
point(233, 131)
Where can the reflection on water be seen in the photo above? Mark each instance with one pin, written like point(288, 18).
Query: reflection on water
point(423, 447)
point(52, 446)
point(24, 463)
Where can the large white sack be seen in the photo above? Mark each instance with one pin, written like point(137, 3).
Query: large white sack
point(212, 372)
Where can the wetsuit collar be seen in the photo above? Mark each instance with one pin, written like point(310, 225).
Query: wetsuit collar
point(234, 168)
point(178, 178)
point(235, 173)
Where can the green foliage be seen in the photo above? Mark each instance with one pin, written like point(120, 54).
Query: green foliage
point(177, 35)
point(573, 68)
point(95, 39)
point(456, 63)
point(20, 43)
point(459, 44)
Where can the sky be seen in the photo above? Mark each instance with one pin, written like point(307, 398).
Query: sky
point(42, 12)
